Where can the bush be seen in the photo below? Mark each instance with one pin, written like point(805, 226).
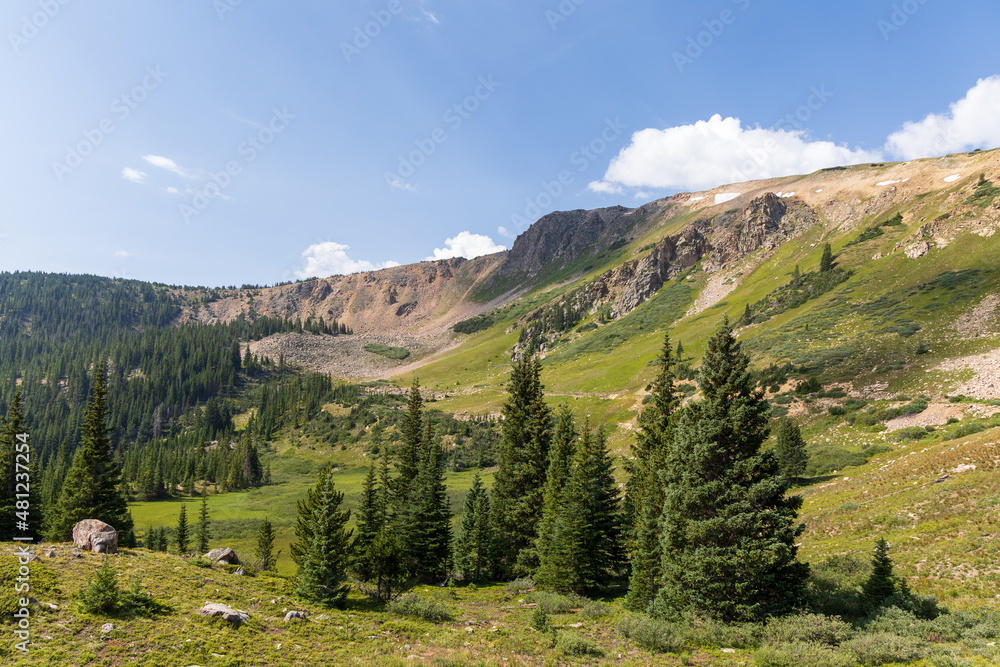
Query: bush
point(414, 606)
point(800, 654)
point(101, 594)
point(595, 609)
point(855, 404)
point(201, 562)
point(572, 644)
point(520, 585)
point(653, 635)
point(882, 648)
point(836, 410)
point(910, 433)
point(807, 628)
point(710, 632)
point(539, 620)
point(553, 603)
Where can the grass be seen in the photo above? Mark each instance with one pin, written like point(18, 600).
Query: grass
point(387, 351)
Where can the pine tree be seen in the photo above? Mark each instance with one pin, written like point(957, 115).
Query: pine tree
point(826, 261)
point(181, 536)
point(376, 555)
point(425, 526)
point(204, 523)
point(409, 455)
point(522, 462)
point(91, 489)
point(796, 275)
point(561, 455)
point(791, 450)
point(474, 544)
point(747, 316)
point(264, 554)
point(324, 553)
point(644, 490)
point(728, 530)
point(881, 583)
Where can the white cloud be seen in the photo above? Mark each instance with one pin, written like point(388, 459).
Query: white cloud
point(502, 231)
point(330, 259)
point(172, 190)
point(133, 175)
point(166, 163)
point(605, 188)
point(720, 150)
point(972, 122)
point(467, 245)
point(123, 253)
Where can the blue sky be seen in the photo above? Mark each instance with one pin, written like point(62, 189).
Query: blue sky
point(220, 142)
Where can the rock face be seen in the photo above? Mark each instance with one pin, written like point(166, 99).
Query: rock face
point(95, 536)
point(766, 222)
point(234, 616)
point(226, 555)
point(561, 237)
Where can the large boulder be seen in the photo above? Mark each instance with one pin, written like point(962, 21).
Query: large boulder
point(226, 555)
point(227, 613)
point(95, 536)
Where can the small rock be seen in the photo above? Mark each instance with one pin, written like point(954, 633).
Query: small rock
point(240, 572)
point(234, 616)
point(728, 650)
point(322, 617)
point(295, 616)
point(76, 554)
point(468, 629)
point(49, 553)
point(107, 628)
point(576, 625)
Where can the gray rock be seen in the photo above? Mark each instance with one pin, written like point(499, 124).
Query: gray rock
point(227, 613)
point(107, 629)
point(295, 616)
point(226, 555)
point(240, 572)
point(95, 536)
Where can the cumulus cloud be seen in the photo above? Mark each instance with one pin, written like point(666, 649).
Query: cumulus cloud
point(972, 122)
point(720, 150)
point(467, 245)
point(166, 163)
point(503, 231)
point(330, 259)
point(133, 175)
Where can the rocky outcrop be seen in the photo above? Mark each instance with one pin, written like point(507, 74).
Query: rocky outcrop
point(96, 536)
point(766, 222)
point(561, 237)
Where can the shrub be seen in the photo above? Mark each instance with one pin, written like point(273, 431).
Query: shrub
point(414, 606)
point(553, 603)
point(800, 654)
point(652, 634)
point(201, 562)
point(101, 594)
point(883, 648)
point(836, 410)
point(710, 632)
point(807, 628)
point(910, 433)
point(595, 609)
point(539, 620)
point(572, 644)
point(855, 404)
point(520, 585)
point(952, 420)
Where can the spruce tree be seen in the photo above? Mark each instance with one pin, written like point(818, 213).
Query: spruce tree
point(881, 583)
point(376, 554)
point(644, 489)
point(91, 489)
point(409, 454)
point(204, 523)
point(264, 555)
point(791, 450)
point(728, 530)
point(181, 536)
point(522, 462)
point(324, 553)
point(474, 545)
point(826, 261)
point(425, 526)
point(561, 454)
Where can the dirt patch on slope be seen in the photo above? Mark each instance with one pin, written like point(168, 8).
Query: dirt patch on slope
point(986, 382)
point(981, 320)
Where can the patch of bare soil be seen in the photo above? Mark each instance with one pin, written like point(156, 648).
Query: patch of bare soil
point(936, 414)
point(980, 321)
point(986, 382)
